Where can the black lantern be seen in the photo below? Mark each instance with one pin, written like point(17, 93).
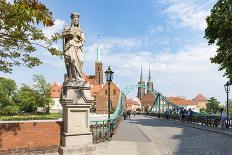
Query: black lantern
point(227, 87)
point(109, 75)
point(227, 90)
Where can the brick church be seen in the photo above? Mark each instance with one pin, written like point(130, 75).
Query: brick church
point(147, 99)
point(99, 89)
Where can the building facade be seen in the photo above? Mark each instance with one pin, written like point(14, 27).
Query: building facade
point(102, 98)
point(55, 94)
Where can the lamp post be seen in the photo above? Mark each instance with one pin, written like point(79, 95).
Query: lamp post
point(109, 77)
point(227, 90)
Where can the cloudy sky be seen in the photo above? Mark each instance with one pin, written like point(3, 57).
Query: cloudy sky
point(168, 35)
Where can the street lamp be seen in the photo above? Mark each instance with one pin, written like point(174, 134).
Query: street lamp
point(109, 77)
point(227, 90)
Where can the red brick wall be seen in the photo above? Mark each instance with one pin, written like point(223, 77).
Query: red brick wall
point(29, 135)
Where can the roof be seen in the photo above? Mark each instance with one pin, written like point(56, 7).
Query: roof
point(177, 100)
point(56, 90)
point(89, 78)
point(200, 98)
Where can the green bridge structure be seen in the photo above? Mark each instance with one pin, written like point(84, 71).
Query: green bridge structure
point(156, 108)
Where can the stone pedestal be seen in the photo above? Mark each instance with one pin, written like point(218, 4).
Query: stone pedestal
point(76, 137)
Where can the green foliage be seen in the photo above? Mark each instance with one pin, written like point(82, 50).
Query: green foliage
point(38, 116)
point(28, 99)
point(219, 32)
point(7, 91)
point(213, 106)
point(20, 35)
point(39, 95)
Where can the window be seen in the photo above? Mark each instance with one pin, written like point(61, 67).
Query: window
point(98, 68)
point(114, 92)
point(105, 92)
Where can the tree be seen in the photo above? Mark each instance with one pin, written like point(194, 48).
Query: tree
point(8, 89)
point(219, 32)
point(213, 106)
point(38, 95)
point(28, 99)
point(44, 89)
point(20, 34)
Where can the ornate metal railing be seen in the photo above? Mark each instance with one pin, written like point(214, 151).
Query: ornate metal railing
point(209, 120)
point(104, 130)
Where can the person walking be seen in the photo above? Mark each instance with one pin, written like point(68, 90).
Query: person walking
point(190, 114)
point(223, 118)
point(124, 115)
point(182, 114)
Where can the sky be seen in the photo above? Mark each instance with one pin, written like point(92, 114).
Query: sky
point(168, 35)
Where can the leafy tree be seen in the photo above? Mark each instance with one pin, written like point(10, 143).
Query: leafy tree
point(44, 89)
point(28, 99)
point(20, 34)
point(213, 106)
point(39, 95)
point(8, 89)
point(219, 32)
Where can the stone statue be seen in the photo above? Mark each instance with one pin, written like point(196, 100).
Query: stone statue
point(75, 98)
point(73, 40)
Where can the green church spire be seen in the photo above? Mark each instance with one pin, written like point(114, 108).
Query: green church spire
point(141, 74)
point(149, 78)
point(98, 50)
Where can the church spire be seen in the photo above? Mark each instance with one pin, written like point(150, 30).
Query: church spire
point(141, 74)
point(149, 77)
point(98, 50)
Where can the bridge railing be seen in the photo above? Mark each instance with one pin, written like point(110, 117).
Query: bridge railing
point(103, 130)
point(209, 120)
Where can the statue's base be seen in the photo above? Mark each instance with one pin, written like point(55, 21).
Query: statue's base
point(76, 144)
point(77, 150)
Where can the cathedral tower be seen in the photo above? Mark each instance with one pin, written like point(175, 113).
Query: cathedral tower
point(98, 67)
point(149, 82)
point(141, 90)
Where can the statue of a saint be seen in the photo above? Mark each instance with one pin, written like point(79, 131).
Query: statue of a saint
point(73, 40)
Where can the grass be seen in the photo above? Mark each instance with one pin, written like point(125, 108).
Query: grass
point(39, 116)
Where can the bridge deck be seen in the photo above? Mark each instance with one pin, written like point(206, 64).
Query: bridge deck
point(150, 136)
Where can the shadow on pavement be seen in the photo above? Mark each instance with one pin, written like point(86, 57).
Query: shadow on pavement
point(177, 139)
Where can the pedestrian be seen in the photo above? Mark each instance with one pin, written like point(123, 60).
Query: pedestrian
point(223, 118)
point(124, 115)
point(128, 113)
point(166, 113)
point(190, 114)
point(182, 114)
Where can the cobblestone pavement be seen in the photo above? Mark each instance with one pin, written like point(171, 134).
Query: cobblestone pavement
point(151, 136)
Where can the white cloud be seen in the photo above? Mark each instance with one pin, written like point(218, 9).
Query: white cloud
point(184, 73)
point(57, 27)
point(187, 13)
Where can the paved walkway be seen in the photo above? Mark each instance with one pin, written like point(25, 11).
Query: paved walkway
point(152, 136)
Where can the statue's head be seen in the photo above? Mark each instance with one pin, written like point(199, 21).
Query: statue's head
point(75, 19)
